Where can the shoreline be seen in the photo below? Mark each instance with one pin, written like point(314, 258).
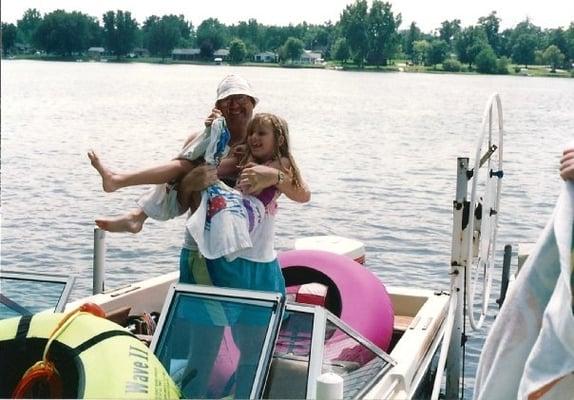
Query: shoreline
point(532, 71)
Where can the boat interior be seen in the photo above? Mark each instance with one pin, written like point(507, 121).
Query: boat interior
point(292, 343)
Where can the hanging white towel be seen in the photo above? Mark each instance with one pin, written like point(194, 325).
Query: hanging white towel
point(529, 351)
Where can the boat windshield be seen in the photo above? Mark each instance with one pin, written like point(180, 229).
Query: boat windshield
point(29, 293)
point(217, 342)
point(312, 341)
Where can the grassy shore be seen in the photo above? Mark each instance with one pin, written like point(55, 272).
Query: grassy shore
point(398, 66)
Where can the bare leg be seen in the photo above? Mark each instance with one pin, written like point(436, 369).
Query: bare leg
point(130, 222)
point(164, 173)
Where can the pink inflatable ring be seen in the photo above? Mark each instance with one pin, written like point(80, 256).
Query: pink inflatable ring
point(354, 293)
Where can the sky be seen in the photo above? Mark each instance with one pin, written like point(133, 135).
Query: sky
point(428, 14)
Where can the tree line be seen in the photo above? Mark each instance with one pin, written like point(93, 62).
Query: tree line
point(363, 35)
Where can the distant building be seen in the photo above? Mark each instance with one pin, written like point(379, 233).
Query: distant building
point(23, 48)
point(310, 57)
point(185, 54)
point(141, 52)
point(265, 57)
point(96, 53)
point(221, 53)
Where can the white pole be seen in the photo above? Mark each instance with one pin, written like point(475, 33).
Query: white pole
point(458, 259)
point(99, 268)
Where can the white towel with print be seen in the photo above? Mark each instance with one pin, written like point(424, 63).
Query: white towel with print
point(221, 224)
point(529, 351)
point(160, 202)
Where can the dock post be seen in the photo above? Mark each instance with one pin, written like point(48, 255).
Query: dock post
point(99, 268)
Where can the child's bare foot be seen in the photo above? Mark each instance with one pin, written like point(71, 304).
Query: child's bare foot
point(109, 179)
point(131, 222)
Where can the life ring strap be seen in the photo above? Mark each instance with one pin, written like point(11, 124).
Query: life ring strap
point(99, 338)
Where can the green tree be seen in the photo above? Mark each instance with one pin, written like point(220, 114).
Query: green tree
point(523, 49)
point(292, 49)
point(250, 32)
point(554, 57)
point(485, 61)
point(436, 52)
point(211, 36)
point(8, 32)
point(354, 28)
point(63, 33)
point(569, 34)
point(163, 35)
point(448, 30)
point(451, 65)
point(382, 32)
point(469, 42)
point(502, 65)
point(237, 51)
point(119, 32)
point(409, 37)
point(558, 38)
point(28, 24)
point(525, 39)
point(420, 49)
point(340, 50)
point(273, 37)
point(491, 24)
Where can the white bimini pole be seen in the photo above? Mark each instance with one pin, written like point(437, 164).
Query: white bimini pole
point(99, 268)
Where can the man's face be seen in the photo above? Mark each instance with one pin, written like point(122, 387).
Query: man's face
point(237, 110)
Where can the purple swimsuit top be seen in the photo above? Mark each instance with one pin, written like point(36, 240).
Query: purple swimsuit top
point(267, 195)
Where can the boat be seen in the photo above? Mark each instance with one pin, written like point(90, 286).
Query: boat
point(314, 344)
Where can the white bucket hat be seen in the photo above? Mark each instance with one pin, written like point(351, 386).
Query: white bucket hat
point(235, 84)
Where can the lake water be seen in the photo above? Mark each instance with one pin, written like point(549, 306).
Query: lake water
point(378, 150)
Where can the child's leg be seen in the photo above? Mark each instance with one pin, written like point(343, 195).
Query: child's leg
point(163, 173)
point(130, 222)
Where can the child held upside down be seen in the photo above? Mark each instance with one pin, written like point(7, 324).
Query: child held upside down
point(225, 216)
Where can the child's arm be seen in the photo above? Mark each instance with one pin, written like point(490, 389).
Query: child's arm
point(255, 178)
point(286, 185)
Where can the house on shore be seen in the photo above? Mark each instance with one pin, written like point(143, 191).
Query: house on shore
point(185, 54)
point(96, 53)
point(310, 57)
point(223, 54)
point(266, 57)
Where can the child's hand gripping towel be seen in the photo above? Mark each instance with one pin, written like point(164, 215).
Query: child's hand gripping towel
point(221, 224)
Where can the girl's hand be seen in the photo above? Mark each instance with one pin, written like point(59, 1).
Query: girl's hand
point(215, 113)
point(254, 178)
point(567, 165)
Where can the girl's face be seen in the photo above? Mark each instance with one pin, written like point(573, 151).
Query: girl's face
point(261, 142)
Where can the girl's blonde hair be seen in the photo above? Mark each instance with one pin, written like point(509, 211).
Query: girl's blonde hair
point(281, 150)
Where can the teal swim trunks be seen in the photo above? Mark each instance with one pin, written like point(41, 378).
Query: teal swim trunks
point(237, 274)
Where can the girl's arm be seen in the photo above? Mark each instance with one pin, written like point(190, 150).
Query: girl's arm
point(255, 178)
